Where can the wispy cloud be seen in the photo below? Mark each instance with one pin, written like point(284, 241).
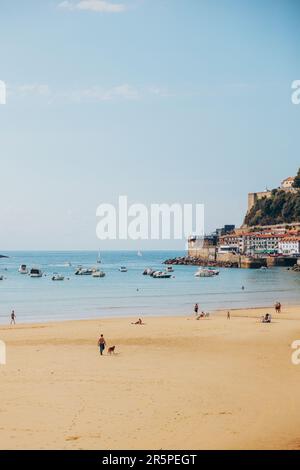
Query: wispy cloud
point(95, 93)
point(32, 89)
point(91, 94)
point(102, 6)
point(123, 92)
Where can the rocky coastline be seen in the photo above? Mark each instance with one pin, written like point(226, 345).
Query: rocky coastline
point(192, 261)
point(296, 268)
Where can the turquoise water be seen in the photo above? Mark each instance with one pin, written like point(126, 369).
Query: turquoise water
point(131, 293)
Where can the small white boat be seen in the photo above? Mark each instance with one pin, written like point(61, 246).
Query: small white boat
point(202, 272)
point(169, 269)
point(80, 271)
point(35, 272)
point(161, 275)
point(57, 277)
point(139, 253)
point(98, 273)
point(148, 272)
point(23, 269)
point(123, 269)
point(216, 272)
point(263, 268)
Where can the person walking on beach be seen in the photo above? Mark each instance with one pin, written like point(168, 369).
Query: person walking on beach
point(101, 344)
point(196, 308)
point(278, 307)
point(12, 318)
point(228, 315)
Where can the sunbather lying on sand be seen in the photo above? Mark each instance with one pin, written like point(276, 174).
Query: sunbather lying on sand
point(139, 322)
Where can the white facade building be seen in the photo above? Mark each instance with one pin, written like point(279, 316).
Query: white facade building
point(289, 246)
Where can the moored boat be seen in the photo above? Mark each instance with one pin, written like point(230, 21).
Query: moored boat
point(203, 272)
point(80, 271)
point(169, 269)
point(23, 269)
point(35, 272)
point(161, 275)
point(57, 277)
point(98, 273)
point(148, 272)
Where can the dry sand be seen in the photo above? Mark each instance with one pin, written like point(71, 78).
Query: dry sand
point(174, 383)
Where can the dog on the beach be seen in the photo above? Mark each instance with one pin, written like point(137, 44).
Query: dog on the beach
point(111, 350)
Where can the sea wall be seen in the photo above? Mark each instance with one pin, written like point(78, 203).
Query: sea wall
point(252, 263)
point(281, 261)
point(208, 253)
point(211, 254)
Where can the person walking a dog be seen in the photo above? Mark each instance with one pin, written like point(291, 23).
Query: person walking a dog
point(101, 344)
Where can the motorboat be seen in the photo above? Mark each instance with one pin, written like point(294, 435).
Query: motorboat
point(202, 272)
point(216, 272)
point(161, 275)
point(57, 277)
point(80, 271)
point(169, 269)
point(123, 269)
point(23, 269)
point(35, 272)
point(148, 272)
point(98, 273)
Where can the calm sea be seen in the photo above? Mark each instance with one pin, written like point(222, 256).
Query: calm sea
point(131, 293)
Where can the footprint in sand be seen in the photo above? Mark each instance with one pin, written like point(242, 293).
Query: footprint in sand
point(72, 438)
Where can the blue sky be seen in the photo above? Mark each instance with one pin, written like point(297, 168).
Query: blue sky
point(161, 100)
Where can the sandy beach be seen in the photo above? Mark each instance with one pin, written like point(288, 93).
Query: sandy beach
point(174, 383)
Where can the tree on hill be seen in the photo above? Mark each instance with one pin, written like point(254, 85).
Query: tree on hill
point(281, 207)
point(296, 183)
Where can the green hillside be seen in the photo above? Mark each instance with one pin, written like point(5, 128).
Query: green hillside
point(281, 207)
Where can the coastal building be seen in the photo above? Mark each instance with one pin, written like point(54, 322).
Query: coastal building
point(289, 245)
point(259, 243)
point(228, 228)
point(287, 183)
point(233, 241)
point(203, 247)
point(253, 197)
